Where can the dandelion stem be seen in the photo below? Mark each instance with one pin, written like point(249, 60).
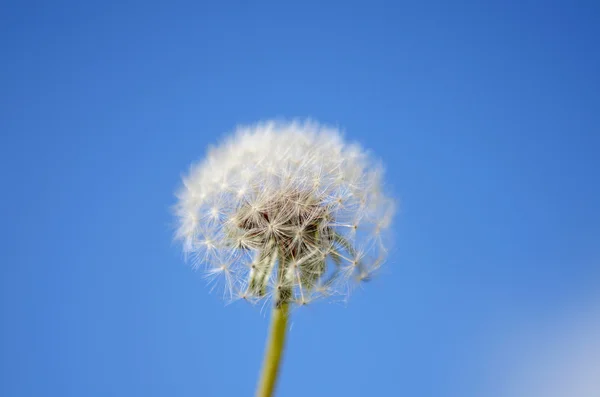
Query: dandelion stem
point(274, 350)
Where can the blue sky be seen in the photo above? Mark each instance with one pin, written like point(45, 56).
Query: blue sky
point(486, 115)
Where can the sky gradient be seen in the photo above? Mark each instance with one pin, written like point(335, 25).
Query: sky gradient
point(487, 118)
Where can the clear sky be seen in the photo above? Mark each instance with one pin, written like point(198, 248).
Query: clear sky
point(487, 117)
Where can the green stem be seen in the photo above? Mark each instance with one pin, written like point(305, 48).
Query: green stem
point(274, 350)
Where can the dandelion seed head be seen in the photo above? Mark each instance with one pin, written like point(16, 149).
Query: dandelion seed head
point(285, 210)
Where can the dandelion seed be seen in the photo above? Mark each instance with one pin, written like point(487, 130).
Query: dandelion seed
point(297, 207)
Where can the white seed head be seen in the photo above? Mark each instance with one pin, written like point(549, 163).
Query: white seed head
point(285, 210)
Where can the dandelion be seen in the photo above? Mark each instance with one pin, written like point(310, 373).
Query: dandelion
point(288, 212)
